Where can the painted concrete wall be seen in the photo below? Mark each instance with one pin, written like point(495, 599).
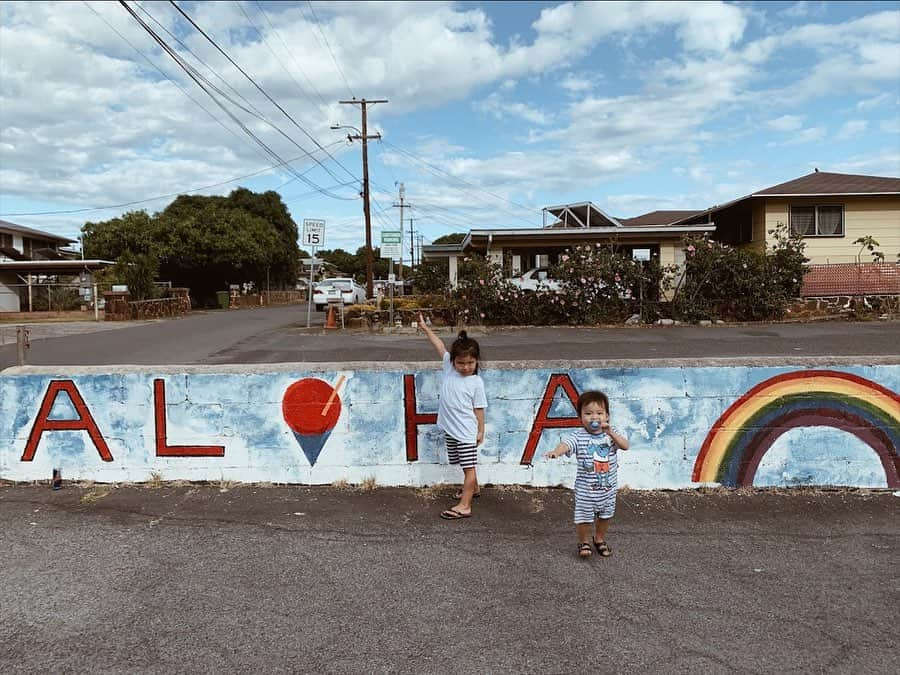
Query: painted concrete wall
point(717, 423)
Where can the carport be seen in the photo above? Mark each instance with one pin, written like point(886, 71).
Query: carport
point(27, 271)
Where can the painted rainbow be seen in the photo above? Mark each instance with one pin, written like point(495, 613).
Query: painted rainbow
point(738, 440)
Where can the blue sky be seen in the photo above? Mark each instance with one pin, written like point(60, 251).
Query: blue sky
point(495, 109)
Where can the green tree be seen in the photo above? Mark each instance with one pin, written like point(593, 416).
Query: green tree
point(137, 271)
point(205, 243)
point(133, 231)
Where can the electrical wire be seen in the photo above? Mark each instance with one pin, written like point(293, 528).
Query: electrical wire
point(290, 53)
point(166, 196)
point(330, 50)
point(206, 85)
point(186, 48)
point(266, 94)
point(440, 173)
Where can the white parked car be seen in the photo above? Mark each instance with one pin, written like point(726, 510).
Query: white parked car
point(536, 279)
point(343, 289)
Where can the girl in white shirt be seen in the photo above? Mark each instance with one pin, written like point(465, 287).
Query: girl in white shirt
point(460, 412)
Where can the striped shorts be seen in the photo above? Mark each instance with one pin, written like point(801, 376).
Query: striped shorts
point(591, 504)
point(464, 454)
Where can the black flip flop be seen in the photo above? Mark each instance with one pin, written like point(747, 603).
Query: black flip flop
point(453, 514)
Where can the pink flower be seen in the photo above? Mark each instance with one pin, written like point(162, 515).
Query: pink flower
point(618, 278)
point(691, 248)
point(482, 315)
point(565, 258)
point(481, 281)
point(583, 280)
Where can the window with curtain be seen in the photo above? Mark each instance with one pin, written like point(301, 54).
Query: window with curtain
point(818, 221)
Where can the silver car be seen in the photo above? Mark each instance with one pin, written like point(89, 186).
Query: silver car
point(339, 289)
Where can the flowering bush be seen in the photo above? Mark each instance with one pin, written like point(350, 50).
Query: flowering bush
point(601, 283)
point(724, 282)
point(484, 296)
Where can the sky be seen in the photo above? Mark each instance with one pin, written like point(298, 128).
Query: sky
point(494, 110)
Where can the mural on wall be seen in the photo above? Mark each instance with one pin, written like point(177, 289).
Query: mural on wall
point(738, 440)
point(733, 426)
point(311, 408)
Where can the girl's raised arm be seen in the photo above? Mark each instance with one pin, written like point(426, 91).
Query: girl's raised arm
point(434, 339)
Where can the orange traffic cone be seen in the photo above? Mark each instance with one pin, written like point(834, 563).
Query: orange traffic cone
point(330, 320)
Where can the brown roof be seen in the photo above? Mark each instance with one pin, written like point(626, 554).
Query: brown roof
point(656, 218)
point(824, 183)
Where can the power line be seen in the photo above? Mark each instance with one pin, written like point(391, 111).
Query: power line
point(158, 197)
point(197, 77)
point(186, 48)
point(166, 75)
point(330, 50)
point(443, 174)
point(272, 51)
point(266, 94)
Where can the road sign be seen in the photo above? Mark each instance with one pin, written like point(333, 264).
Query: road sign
point(391, 243)
point(313, 232)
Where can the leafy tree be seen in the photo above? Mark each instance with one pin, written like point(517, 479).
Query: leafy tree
point(133, 231)
point(432, 276)
point(137, 271)
point(206, 243)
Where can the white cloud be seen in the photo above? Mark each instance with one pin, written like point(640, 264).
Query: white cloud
point(809, 135)
point(851, 129)
point(891, 126)
point(803, 9)
point(497, 105)
point(574, 84)
point(886, 163)
point(875, 101)
point(786, 123)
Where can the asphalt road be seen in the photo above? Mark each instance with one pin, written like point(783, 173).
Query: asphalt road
point(221, 578)
point(279, 335)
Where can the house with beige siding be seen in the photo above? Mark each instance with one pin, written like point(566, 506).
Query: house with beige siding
point(829, 210)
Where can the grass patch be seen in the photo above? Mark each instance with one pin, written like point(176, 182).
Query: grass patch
point(341, 484)
point(156, 480)
point(368, 484)
point(431, 492)
point(94, 494)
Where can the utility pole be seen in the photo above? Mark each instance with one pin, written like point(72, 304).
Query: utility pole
point(412, 247)
point(363, 103)
point(402, 192)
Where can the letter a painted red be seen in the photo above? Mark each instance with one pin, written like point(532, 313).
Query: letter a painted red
point(542, 421)
point(85, 421)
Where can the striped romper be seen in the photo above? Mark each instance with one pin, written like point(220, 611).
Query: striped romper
point(597, 479)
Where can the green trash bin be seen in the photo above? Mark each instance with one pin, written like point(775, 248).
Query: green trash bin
point(223, 297)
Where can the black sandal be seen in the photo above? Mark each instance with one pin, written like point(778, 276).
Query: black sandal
point(603, 549)
point(584, 550)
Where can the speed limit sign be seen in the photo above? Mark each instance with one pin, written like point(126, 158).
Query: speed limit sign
point(313, 232)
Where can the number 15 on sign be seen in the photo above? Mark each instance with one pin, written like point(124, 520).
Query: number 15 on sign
point(313, 232)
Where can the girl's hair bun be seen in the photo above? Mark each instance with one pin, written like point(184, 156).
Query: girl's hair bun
point(463, 335)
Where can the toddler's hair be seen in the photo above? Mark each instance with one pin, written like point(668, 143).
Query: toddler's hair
point(463, 345)
point(592, 397)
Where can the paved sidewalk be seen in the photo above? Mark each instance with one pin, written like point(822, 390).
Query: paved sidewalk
point(224, 578)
